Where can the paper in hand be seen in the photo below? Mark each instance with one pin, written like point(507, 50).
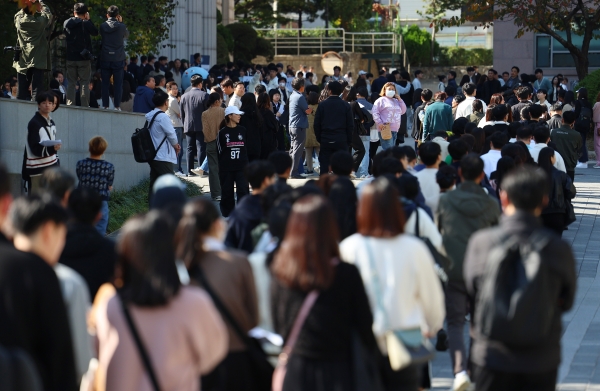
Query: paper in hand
point(50, 143)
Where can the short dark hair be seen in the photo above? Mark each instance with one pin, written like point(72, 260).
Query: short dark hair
point(257, 171)
point(389, 165)
point(381, 72)
point(362, 91)
point(524, 132)
point(535, 111)
point(80, 9)
point(498, 140)
point(341, 163)
point(538, 70)
point(452, 73)
point(499, 112)
point(470, 69)
point(450, 91)
point(143, 58)
point(335, 87)
point(457, 149)
point(471, 166)
point(281, 161)
point(196, 80)
point(159, 98)
point(441, 133)
point(158, 79)
point(427, 94)
point(582, 93)
point(517, 68)
point(477, 105)
point(429, 152)
point(523, 93)
point(418, 72)
point(495, 72)
point(113, 11)
point(446, 177)
point(85, 204)
point(541, 134)
point(28, 214)
point(569, 117)
point(526, 187)
point(147, 79)
point(410, 152)
point(337, 67)
point(505, 73)
point(469, 88)
point(44, 97)
point(57, 181)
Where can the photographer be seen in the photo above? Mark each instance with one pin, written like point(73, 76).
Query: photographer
point(78, 30)
point(32, 55)
point(112, 57)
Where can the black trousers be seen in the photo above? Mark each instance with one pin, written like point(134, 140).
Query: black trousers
point(281, 138)
point(571, 175)
point(33, 77)
point(372, 152)
point(328, 149)
point(491, 380)
point(359, 151)
point(195, 147)
point(555, 222)
point(158, 168)
point(228, 179)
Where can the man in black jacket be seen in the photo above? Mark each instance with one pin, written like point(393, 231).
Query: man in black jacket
point(78, 30)
point(499, 365)
point(523, 93)
point(112, 57)
point(334, 125)
point(33, 316)
point(193, 104)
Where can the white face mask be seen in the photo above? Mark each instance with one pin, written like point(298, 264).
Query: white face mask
point(390, 93)
point(281, 85)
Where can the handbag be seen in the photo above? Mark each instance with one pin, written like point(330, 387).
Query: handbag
point(284, 356)
point(386, 132)
point(140, 346)
point(262, 370)
point(404, 347)
point(570, 213)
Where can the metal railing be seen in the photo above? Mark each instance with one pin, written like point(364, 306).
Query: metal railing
point(309, 41)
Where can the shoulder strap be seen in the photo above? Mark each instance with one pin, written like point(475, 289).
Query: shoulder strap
point(140, 346)
point(150, 125)
point(308, 303)
point(417, 232)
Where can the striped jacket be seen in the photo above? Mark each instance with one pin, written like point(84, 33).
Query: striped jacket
point(38, 157)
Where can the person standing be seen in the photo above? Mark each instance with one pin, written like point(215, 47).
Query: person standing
point(332, 132)
point(211, 122)
point(298, 124)
point(460, 214)
point(270, 126)
point(192, 105)
point(112, 57)
point(417, 80)
point(596, 129)
point(78, 30)
point(174, 113)
point(236, 97)
point(541, 81)
point(465, 108)
point(388, 111)
point(438, 116)
point(513, 365)
point(33, 33)
point(584, 122)
point(142, 102)
point(568, 142)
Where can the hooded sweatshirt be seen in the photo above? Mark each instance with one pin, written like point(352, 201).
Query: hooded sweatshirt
point(113, 35)
point(78, 32)
point(142, 102)
point(245, 217)
point(461, 213)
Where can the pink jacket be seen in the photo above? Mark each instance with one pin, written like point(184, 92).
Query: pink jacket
point(388, 110)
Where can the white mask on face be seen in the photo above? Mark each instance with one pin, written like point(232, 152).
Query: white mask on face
point(390, 93)
point(281, 85)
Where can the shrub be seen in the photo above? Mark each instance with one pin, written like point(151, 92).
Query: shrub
point(418, 45)
point(246, 43)
point(592, 83)
point(452, 56)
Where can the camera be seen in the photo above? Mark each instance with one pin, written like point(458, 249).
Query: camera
point(87, 55)
point(16, 49)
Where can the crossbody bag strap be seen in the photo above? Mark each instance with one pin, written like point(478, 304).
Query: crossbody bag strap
point(308, 303)
point(375, 277)
point(150, 125)
point(417, 231)
point(140, 346)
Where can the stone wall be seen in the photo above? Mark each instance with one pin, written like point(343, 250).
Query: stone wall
point(75, 127)
point(352, 62)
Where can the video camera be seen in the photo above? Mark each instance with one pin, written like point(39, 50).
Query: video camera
point(16, 49)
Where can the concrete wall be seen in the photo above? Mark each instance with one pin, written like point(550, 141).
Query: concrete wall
point(75, 127)
point(510, 51)
point(352, 62)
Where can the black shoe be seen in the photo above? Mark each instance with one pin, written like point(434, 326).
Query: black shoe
point(297, 177)
point(441, 345)
point(191, 174)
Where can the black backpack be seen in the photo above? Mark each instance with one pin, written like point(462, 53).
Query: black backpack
point(142, 145)
point(584, 122)
point(515, 305)
point(17, 371)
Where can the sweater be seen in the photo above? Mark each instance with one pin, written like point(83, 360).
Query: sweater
point(231, 145)
point(408, 286)
point(388, 111)
point(142, 102)
point(211, 122)
point(38, 157)
point(438, 116)
point(96, 174)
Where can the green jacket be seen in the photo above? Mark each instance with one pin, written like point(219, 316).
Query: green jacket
point(438, 116)
point(568, 144)
point(460, 214)
point(32, 36)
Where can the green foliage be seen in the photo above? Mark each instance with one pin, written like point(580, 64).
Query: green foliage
point(351, 15)
point(246, 43)
point(219, 16)
point(592, 83)
point(306, 9)
point(418, 45)
point(124, 204)
point(227, 36)
point(222, 52)
point(265, 48)
point(258, 13)
point(8, 37)
point(459, 56)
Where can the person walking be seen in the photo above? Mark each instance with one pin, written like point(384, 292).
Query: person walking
point(387, 112)
point(333, 133)
point(211, 122)
point(568, 142)
point(512, 363)
point(460, 214)
point(411, 279)
point(192, 105)
point(78, 31)
point(298, 124)
point(112, 56)
point(360, 120)
point(438, 116)
point(307, 267)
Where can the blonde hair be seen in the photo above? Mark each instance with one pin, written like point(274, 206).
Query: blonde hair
point(385, 86)
point(97, 146)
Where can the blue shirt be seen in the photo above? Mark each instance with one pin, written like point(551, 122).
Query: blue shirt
point(298, 106)
point(96, 174)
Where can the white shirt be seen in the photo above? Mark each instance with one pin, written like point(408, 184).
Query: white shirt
point(410, 291)
point(174, 112)
point(490, 161)
point(465, 108)
point(443, 145)
point(429, 187)
point(548, 105)
point(535, 149)
point(427, 229)
point(235, 100)
point(416, 83)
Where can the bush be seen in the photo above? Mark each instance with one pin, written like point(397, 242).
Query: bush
point(592, 83)
point(222, 52)
point(452, 56)
point(418, 45)
point(265, 48)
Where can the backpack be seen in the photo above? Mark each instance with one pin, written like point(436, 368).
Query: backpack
point(515, 305)
point(142, 145)
point(584, 122)
point(17, 371)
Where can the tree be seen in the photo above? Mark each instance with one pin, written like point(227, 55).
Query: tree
point(247, 44)
point(351, 15)
point(258, 13)
point(571, 17)
point(308, 8)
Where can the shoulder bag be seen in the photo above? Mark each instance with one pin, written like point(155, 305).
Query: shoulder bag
point(282, 361)
point(142, 144)
point(140, 346)
point(404, 347)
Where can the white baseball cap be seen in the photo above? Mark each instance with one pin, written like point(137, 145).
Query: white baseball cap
point(233, 110)
point(361, 72)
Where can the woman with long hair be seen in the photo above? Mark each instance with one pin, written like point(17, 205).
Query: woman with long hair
point(553, 93)
point(271, 126)
point(179, 326)
point(227, 276)
point(253, 121)
point(405, 292)
point(308, 261)
point(562, 191)
point(387, 112)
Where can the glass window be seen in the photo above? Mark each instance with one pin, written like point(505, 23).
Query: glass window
point(543, 51)
point(562, 60)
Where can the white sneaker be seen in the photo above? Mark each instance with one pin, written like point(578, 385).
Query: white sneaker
point(581, 165)
point(198, 171)
point(461, 382)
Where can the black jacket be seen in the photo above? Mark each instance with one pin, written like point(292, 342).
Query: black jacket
point(33, 316)
point(89, 254)
point(244, 218)
point(342, 196)
point(78, 32)
point(271, 127)
point(516, 109)
point(113, 35)
point(334, 121)
point(254, 125)
point(561, 192)
point(559, 258)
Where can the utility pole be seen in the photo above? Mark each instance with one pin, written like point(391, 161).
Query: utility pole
point(327, 18)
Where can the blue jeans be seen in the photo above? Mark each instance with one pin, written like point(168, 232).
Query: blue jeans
point(385, 144)
point(363, 169)
point(102, 224)
point(204, 166)
point(116, 69)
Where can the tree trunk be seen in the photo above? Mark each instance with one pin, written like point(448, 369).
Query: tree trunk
point(300, 23)
point(582, 63)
